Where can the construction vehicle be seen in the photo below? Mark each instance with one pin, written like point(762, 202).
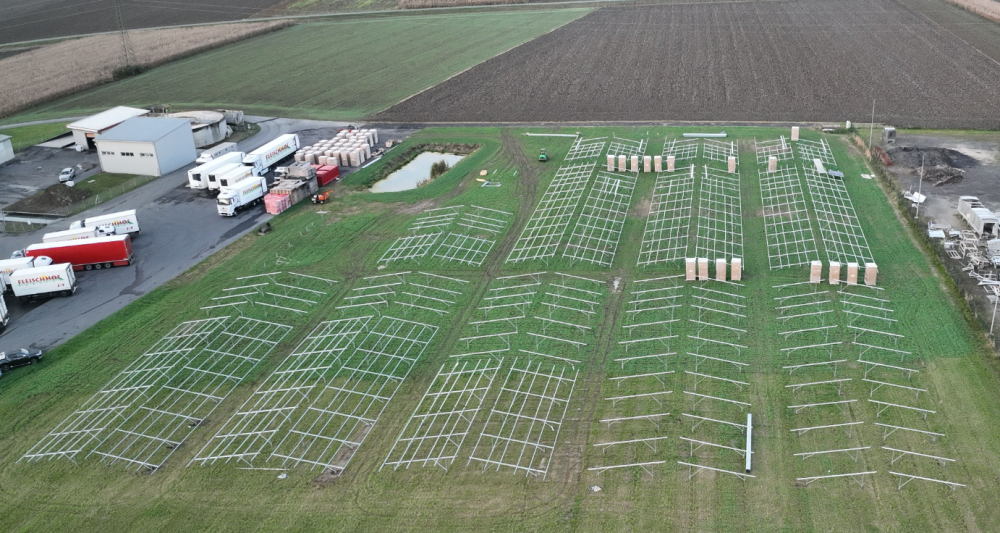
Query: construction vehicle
point(542, 157)
point(321, 198)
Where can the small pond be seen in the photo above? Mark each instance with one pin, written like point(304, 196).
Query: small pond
point(414, 172)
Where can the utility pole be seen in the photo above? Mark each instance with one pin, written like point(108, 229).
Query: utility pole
point(920, 184)
point(871, 129)
point(127, 53)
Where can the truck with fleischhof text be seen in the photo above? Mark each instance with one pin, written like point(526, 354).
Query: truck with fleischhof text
point(43, 282)
point(248, 192)
point(123, 221)
point(272, 153)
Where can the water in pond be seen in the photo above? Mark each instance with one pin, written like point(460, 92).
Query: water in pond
point(414, 172)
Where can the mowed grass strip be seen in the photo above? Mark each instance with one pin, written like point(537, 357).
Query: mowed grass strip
point(333, 70)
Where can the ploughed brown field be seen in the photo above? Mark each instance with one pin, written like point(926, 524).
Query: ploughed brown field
point(926, 63)
point(23, 20)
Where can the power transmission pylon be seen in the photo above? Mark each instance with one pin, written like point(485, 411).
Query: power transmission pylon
point(127, 52)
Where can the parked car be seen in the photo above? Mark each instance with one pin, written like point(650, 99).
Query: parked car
point(21, 357)
point(67, 174)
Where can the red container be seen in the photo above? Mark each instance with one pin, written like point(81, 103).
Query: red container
point(87, 254)
point(327, 174)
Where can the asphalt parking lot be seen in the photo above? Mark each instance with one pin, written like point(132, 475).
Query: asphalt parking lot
point(37, 168)
point(179, 228)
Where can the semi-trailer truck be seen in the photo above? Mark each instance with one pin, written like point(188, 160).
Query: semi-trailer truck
point(198, 176)
point(8, 266)
point(219, 150)
point(79, 233)
point(44, 282)
point(233, 177)
point(88, 254)
point(265, 157)
point(245, 193)
point(123, 222)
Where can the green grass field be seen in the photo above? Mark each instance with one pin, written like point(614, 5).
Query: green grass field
point(340, 70)
point(25, 136)
point(344, 240)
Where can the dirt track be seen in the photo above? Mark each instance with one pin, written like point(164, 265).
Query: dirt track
point(23, 20)
point(811, 60)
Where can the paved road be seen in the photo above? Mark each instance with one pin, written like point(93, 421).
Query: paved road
point(180, 228)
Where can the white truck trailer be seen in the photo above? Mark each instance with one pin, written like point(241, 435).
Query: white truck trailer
point(265, 157)
point(212, 183)
point(123, 222)
point(4, 314)
point(245, 193)
point(8, 266)
point(79, 233)
point(198, 176)
point(215, 151)
point(233, 177)
point(43, 282)
point(983, 221)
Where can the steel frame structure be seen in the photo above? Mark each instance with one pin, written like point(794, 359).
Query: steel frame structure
point(442, 217)
point(485, 219)
point(464, 249)
point(434, 434)
point(852, 475)
point(410, 247)
point(810, 150)
point(780, 148)
point(839, 226)
point(787, 228)
point(694, 469)
point(668, 225)
point(148, 436)
point(720, 150)
point(681, 149)
point(599, 227)
point(522, 429)
point(720, 216)
point(278, 399)
point(547, 225)
point(626, 147)
point(910, 477)
point(84, 427)
point(338, 420)
point(586, 148)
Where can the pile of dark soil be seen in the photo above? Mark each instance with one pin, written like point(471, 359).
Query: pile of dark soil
point(50, 201)
point(910, 156)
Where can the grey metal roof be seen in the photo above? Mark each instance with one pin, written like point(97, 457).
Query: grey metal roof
point(144, 129)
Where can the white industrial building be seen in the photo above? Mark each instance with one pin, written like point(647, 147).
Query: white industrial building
point(6, 149)
point(146, 146)
point(207, 127)
point(86, 130)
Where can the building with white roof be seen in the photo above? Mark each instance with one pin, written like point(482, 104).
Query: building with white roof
point(85, 130)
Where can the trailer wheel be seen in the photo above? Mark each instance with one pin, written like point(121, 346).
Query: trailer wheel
point(108, 265)
point(98, 266)
point(88, 267)
point(23, 299)
point(67, 294)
